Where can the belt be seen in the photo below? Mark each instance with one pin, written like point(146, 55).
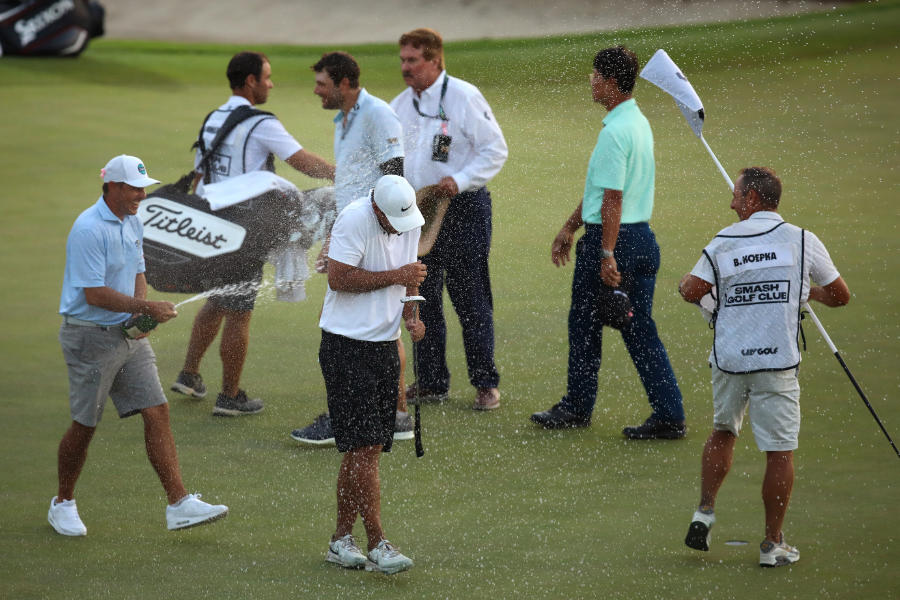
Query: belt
point(82, 323)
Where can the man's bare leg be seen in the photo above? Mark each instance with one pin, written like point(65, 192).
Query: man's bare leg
point(776, 491)
point(233, 349)
point(203, 332)
point(359, 493)
point(71, 457)
point(161, 451)
point(718, 454)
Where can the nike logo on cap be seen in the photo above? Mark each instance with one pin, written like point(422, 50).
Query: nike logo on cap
point(407, 208)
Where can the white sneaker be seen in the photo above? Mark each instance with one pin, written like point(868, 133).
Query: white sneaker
point(777, 555)
point(698, 533)
point(346, 553)
point(190, 511)
point(387, 559)
point(64, 518)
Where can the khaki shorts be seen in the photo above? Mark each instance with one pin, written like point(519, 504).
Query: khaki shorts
point(104, 363)
point(774, 401)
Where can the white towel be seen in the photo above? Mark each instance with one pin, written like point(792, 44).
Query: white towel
point(291, 260)
point(291, 271)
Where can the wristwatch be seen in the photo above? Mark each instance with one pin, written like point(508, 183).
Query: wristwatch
point(604, 253)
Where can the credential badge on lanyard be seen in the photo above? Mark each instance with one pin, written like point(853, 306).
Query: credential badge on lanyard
point(440, 145)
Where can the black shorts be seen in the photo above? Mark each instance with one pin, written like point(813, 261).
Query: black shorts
point(361, 384)
point(249, 274)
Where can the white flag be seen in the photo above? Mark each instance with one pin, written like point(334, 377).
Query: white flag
point(662, 72)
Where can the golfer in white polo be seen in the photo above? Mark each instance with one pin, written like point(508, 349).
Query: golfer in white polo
point(372, 265)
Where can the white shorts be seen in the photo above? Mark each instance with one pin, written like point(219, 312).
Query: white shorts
point(774, 399)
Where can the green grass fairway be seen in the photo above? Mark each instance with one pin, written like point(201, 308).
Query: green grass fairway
point(496, 508)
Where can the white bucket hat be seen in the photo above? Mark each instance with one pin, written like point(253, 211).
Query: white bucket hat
point(127, 169)
point(397, 200)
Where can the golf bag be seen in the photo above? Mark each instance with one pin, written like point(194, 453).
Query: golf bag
point(49, 27)
point(190, 248)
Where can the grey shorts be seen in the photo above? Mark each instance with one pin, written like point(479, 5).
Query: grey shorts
point(773, 398)
point(104, 363)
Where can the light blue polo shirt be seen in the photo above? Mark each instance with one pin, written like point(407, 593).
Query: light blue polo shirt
point(622, 160)
point(101, 251)
point(373, 135)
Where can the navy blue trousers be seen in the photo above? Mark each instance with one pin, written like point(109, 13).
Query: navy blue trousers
point(637, 258)
point(459, 259)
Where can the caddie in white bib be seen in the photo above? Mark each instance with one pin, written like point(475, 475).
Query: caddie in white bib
point(759, 286)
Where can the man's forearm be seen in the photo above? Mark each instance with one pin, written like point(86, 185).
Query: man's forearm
point(409, 308)
point(311, 165)
point(140, 287)
point(356, 280)
point(611, 215)
point(574, 222)
point(113, 301)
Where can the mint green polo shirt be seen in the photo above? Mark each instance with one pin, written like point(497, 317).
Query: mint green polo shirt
point(622, 160)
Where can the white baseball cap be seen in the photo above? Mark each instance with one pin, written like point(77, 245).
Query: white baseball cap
point(397, 200)
point(127, 169)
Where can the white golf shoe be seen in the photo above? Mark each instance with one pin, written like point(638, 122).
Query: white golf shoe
point(387, 559)
point(777, 555)
point(64, 518)
point(191, 511)
point(344, 551)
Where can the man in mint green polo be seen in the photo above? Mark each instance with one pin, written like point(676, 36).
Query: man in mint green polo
point(618, 250)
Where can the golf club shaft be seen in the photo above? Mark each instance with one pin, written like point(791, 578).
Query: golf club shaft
point(818, 323)
point(862, 395)
point(417, 427)
point(718, 164)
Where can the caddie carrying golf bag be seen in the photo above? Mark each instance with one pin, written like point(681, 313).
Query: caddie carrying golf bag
point(49, 27)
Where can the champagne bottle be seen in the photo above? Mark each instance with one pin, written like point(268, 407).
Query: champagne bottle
point(137, 326)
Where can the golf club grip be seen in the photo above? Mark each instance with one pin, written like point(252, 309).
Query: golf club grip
point(417, 432)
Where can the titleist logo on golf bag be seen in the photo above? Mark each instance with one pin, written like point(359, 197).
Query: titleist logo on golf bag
point(28, 29)
point(198, 233)
point(752, 351)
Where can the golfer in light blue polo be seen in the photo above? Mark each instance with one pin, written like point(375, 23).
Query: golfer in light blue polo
point(618, 250)
point(103, 285)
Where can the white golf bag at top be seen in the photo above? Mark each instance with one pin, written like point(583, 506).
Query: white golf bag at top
point(193, 244)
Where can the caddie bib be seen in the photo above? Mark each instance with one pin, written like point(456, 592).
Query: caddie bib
point(229, 159)
point(759, 279)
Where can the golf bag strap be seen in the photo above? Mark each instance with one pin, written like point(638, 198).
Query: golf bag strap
point(238, 115)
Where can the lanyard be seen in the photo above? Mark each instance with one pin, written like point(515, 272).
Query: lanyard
point(351, 116)
point(441, 114)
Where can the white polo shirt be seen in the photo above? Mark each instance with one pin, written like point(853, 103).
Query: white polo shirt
point(477, 147)
point(372, 136)
point(359, 241)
